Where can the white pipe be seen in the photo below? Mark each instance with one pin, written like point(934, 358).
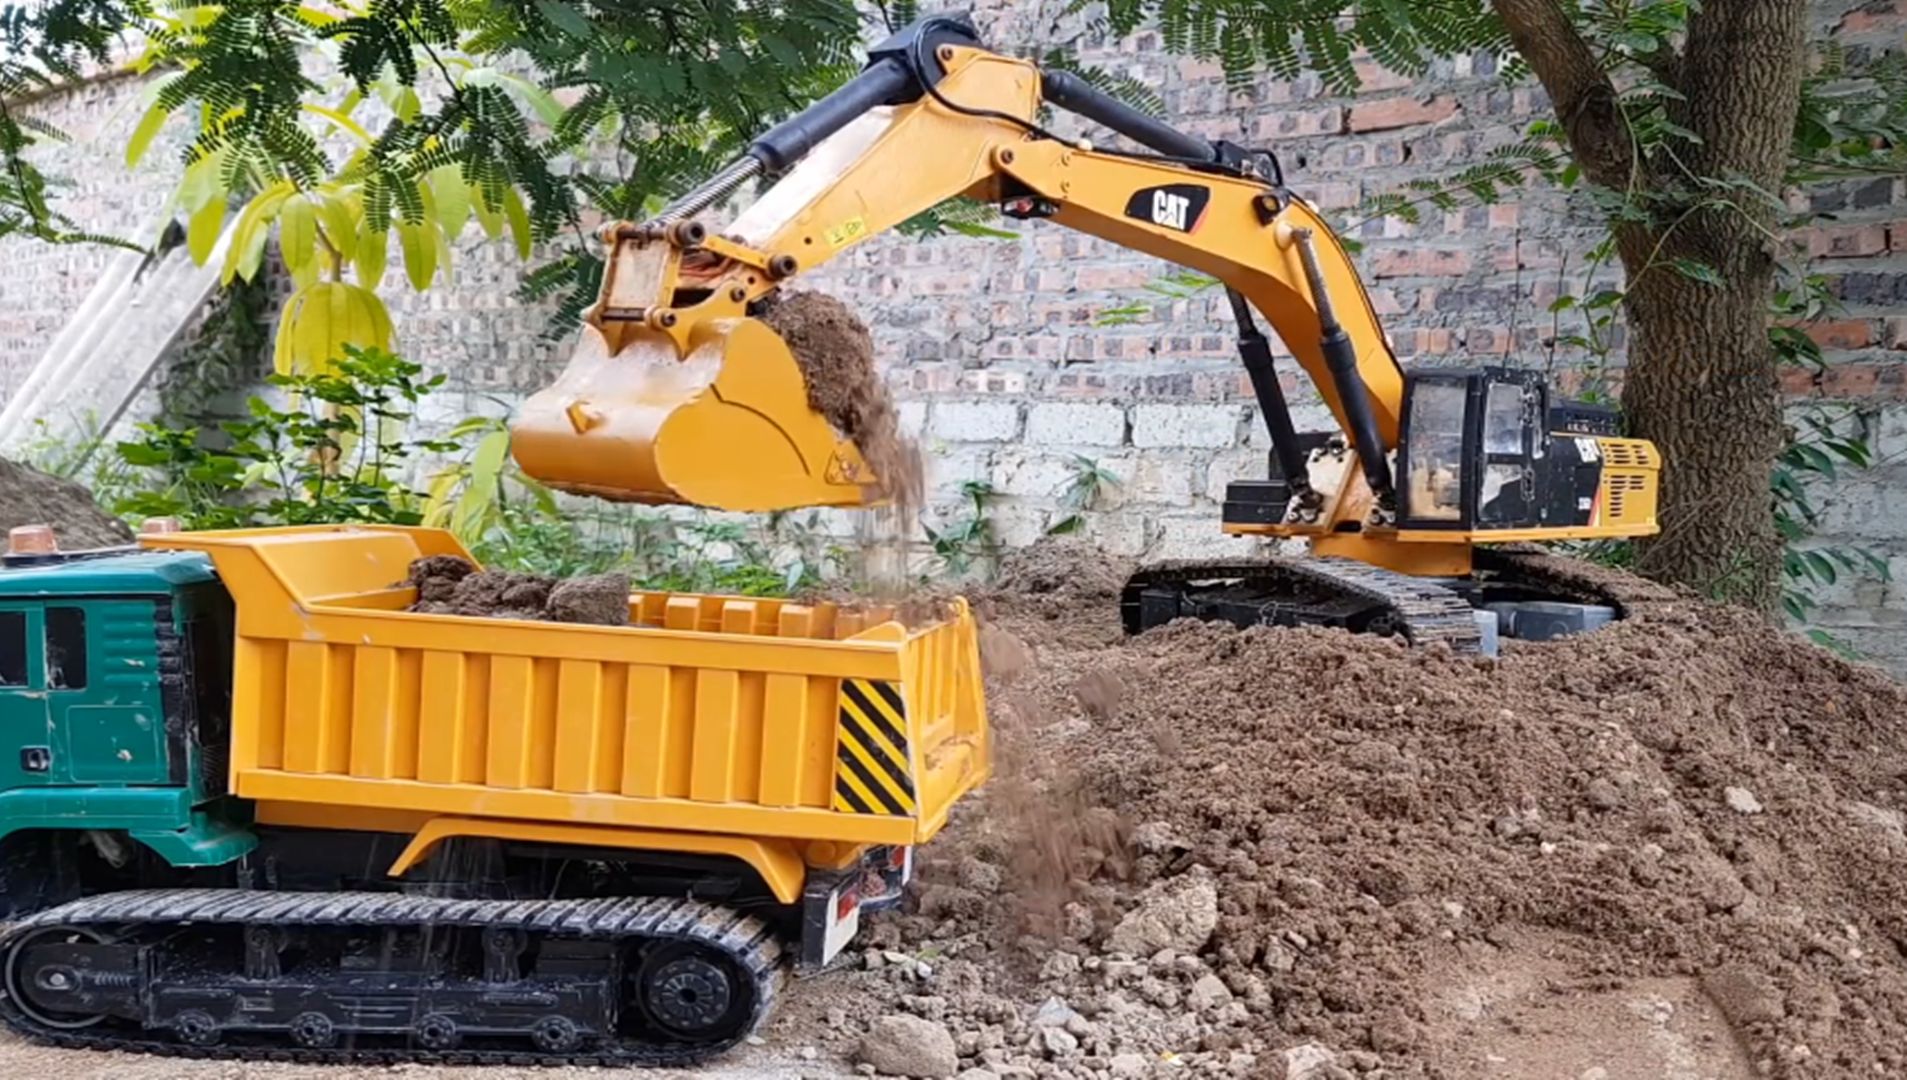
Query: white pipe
point(198, 283)
point(26, 400)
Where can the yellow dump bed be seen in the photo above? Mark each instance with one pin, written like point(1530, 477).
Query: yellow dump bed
point(755, 718)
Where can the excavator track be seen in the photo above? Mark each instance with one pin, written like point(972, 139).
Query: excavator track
point(389, 978)
point(1320, 591)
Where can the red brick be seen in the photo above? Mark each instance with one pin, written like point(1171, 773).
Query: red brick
point(1530, 255)
point(1897, 232)
point(1420, 262)
point(1326, 121)
point(1422, 342)
point(1489, 341)
point(1842, 334)
point(1884, 18)
point(1847, 241)
point(1401, 112)
point(1335, 196)
point(1385, 302)
point(1092, 278)
point(1849, 381)
point(1798, 381)
point(1373, 77)
point(1192, 69)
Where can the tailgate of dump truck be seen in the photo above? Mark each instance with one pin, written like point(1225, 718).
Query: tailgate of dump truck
point(744, 716)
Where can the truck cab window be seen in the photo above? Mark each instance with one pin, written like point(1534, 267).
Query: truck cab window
point(12, 648)
point(65, 648)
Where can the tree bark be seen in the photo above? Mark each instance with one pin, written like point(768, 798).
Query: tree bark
point(1701, 380)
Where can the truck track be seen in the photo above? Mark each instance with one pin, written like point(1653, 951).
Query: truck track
point(147, 917)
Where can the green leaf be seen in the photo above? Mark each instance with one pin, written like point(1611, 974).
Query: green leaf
point(480, 490)
point(149, 125)
point(452, 197)
point(420, 252)
point(490, 217)
point(1820, 567)
point(540, 101)
point(254, 226)
point(202, 182)
point(202, 232)
point(565, 18)
point(969, 228)
point(370, 258)
point(297, 232)
point(341, 121)
point(1696, 271)
point(519, 221)
point(338, 222)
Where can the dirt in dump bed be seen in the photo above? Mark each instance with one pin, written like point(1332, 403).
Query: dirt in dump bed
point(836, 354)
point(448, 585)
point(31, 497)
point(1674, 847)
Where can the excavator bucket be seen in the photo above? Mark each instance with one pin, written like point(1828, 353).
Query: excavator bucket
point(712, 414)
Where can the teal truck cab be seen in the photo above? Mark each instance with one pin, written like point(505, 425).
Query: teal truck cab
point(114, 706)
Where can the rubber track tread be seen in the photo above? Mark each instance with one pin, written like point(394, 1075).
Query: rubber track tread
point(712, 925)
point(1425, 611)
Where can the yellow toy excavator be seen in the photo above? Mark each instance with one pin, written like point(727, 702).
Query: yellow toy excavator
point(676, 395)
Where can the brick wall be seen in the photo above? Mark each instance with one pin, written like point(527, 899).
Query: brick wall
point(992, 346)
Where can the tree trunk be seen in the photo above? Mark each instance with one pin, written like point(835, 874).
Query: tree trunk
point(1701, 381)
point(1701, 385)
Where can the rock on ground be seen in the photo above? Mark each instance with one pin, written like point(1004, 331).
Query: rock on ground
point(1178, 914)
point(902, 1045)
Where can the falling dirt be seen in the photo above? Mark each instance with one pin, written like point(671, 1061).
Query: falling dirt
point(1673, 848)
point(31, 497)
point(448, 585)
point(836, 354)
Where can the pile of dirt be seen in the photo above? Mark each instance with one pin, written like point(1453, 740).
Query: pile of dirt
point(836, 354)
point(1673, 847)
point(31, 497)
point(448, 585)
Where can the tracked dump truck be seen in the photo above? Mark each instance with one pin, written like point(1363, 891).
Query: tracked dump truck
point(251, 806)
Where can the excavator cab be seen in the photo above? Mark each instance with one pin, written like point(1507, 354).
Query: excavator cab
point(1486, 450)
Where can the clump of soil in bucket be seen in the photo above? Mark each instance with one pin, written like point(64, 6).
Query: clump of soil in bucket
point(836, 355)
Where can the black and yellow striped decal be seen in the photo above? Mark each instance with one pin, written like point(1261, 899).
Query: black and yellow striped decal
point(871, 774)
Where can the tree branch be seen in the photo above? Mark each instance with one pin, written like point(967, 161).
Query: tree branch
point(1579, 88)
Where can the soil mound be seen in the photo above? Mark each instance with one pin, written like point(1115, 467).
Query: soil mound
point(1242, 852)
point(31, 497)
point(836, 354)
point(448, 585)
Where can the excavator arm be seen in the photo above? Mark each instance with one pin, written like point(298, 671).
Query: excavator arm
point(675, 395)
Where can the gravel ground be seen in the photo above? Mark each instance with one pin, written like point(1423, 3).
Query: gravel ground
point(28, 1061)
